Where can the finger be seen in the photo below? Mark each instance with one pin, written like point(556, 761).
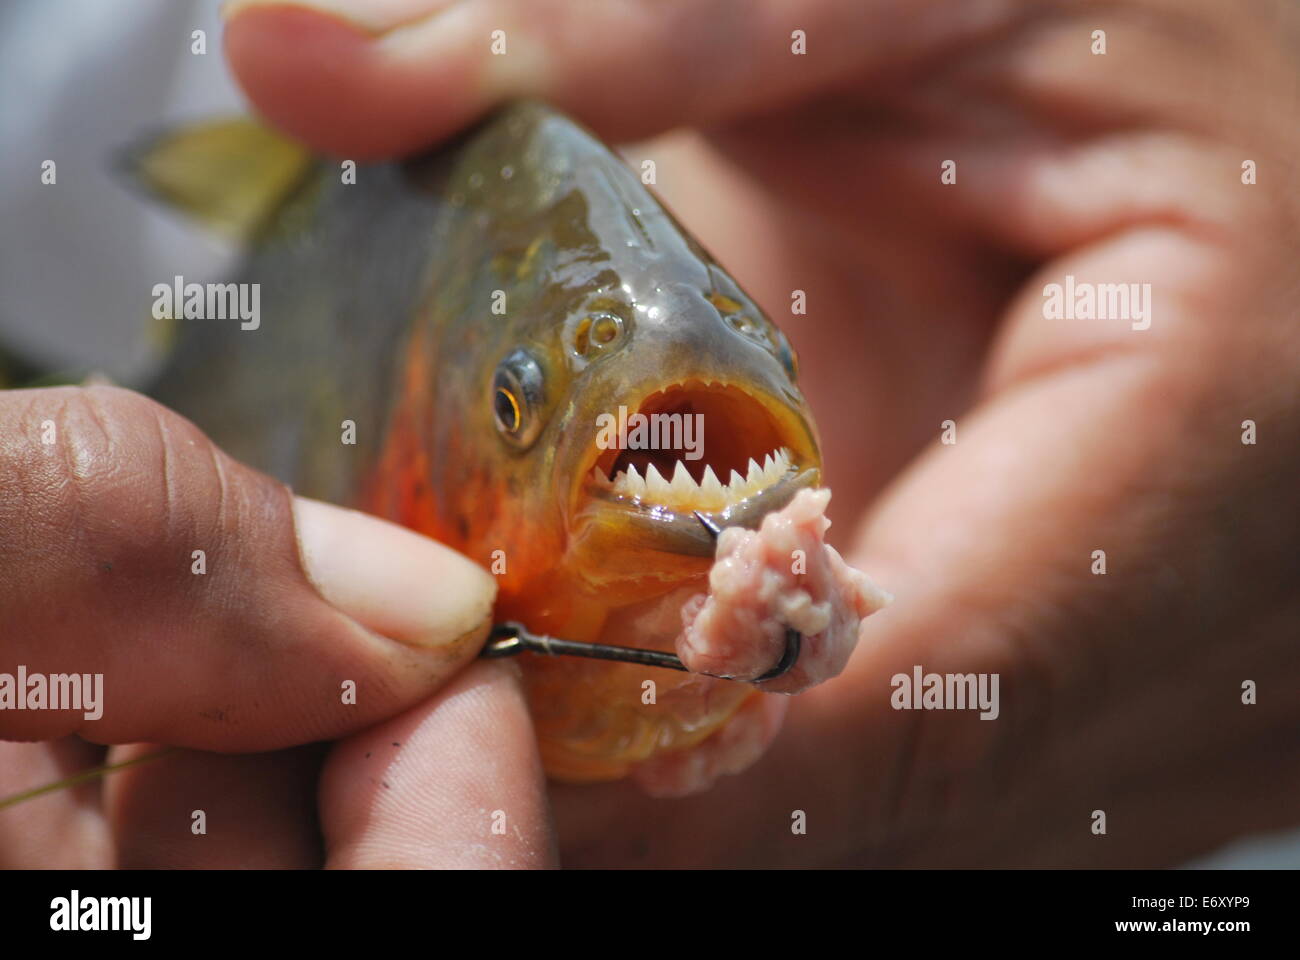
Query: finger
point(988, 555)
point(376, 80)
point(456, 782)
point(62, 830)
point(1110, 438)
point(196, 601)
point(1121, 440)
point(190, 809)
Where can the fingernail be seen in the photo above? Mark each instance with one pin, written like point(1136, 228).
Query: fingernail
point(375, 16)
point(391, 580)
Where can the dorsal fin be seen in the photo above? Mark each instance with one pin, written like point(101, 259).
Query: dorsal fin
point(228, 174)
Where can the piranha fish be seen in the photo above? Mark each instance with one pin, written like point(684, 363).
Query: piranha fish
point(538, 366)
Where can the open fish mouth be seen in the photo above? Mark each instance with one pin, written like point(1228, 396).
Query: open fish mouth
point(695, 446)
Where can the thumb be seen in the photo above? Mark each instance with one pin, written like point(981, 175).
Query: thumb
point(378, 80)
point(220, 611)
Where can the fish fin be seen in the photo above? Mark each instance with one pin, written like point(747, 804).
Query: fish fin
point(228, 174)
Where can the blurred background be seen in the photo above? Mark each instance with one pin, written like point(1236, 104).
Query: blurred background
point(79, 81)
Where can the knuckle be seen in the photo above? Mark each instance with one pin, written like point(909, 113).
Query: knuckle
point(124, 475)
point(124, 459)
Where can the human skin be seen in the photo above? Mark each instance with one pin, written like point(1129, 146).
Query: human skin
point(1120, 692)
point(299, 622)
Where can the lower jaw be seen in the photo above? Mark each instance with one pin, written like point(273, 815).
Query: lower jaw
point(595, 720)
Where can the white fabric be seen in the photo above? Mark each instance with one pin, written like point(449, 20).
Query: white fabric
point(79, 80)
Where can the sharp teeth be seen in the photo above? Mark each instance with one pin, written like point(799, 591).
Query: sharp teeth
point(714, 495)
point(631, 482)
point(684, 488)
point(656, 487)
point(684, 491)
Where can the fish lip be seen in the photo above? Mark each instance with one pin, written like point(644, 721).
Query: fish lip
point(676, 529)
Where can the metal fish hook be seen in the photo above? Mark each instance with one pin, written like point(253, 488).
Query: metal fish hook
point(511, 638)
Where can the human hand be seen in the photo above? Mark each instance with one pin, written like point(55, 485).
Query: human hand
point(243, 626)
point(1120, 692)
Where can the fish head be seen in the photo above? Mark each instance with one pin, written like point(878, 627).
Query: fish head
point(628, 381)
point(596, 379)
point(685, 401)
point(662, 393)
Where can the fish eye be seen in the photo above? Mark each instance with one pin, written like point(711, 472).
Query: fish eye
point(517, 399)
point(509, 417)
point(596, 331)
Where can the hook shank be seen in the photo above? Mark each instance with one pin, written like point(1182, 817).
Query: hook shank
point(511, 637)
